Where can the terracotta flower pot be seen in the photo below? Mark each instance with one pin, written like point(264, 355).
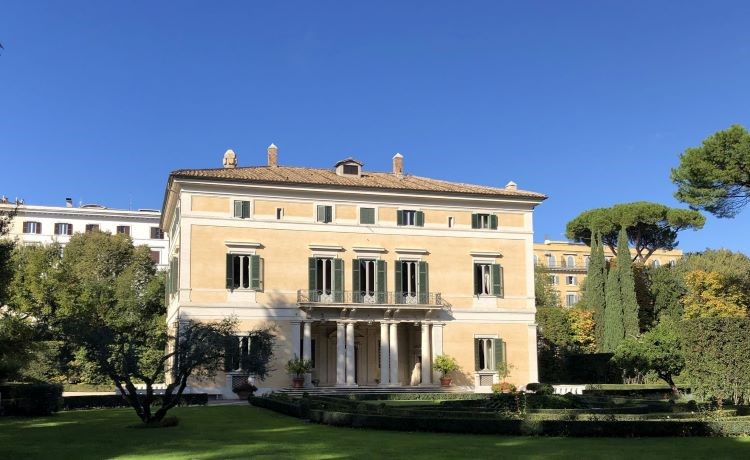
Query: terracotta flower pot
point(445, 381)
point(298, 382)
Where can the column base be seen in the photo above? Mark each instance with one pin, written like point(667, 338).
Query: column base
point(346, 385)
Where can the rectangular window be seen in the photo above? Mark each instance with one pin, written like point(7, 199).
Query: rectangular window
point(124, 229)
point(32, 227)
point(63, 229)
point(488, 279)
point(412, 282)
point(554, 279)
point(484, 221)
point(571, 280)
point(408, 217)
point(450, 222)
point(279, 213)
point(244, 271)
point(488, 353)
point(325, 213)
point(241, 209)
point(367, 216)
point(157, 233)
point(92, 228)
point(326, 281)
point(351, 169)
point(571, 299)
point(155, 256)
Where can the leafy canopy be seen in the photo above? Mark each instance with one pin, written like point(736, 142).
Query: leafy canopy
point(716, 176)
point(650, 226)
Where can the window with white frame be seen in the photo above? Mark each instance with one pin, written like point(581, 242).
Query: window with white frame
point(656, 263)
point(570, 261)
point(488, 353)
point(484, 221)
point(244, 272)
point(62, 228)
point(571, 280)
point(367, 216)
point(32, 227)
point(410, 217)
point(571, 299)
point(123, 229)
point(326, 279)
point(92, 228)
point(488, 279)
point(554, 279)
point(551, 260)
point(368, 280)
point(324, 213)
point(241, 209)
point(411, 282)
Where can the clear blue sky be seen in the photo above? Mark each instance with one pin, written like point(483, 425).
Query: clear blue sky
point(588, 102)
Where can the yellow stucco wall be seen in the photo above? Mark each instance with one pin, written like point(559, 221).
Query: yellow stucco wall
point(506, 219)
point(201, 203)
point(267, 208)
point(345, 211)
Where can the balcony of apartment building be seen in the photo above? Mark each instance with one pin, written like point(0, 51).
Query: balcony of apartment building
point(565, 263)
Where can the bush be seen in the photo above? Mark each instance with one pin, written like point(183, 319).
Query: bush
point(30, 398)
point(541, 388)
point(503, 387)
point(116, 400)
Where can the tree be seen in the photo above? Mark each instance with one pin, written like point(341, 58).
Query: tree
point(614, 328)
point(594, 296)
point(650, 226)
point(658, 350)
point(712, 295)
point(105, 296)
point(716, 176)
point(6, 249)
point(545, 293)
point(627, 287)
point(667, 288)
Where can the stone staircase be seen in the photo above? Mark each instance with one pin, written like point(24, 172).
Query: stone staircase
point(375, 389)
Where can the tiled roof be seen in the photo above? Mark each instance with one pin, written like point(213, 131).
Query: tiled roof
point(328, 177)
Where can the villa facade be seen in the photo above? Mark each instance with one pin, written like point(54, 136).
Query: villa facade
point(370, 275)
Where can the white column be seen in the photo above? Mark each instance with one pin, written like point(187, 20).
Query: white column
point(307, 340)
point(437, 345)
point(294, 338)
point(350, 354)
point(394, 354)
point(533, 364)
point(340, 354)
point(385, 350)
point(426, 361)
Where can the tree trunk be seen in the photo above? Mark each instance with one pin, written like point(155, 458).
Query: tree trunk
point(668, 378)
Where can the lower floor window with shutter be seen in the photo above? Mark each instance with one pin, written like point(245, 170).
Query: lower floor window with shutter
point(326, 281)
point(244, 271)
point(488, 352)
point(488, 279)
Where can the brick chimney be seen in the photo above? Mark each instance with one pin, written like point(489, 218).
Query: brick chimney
point(273, 156)
point(398, 164)
point(230, 159)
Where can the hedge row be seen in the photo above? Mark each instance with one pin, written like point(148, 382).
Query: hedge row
point(596, 428)
point(30, 398)
point(116, 400)
point(291, 408)
point(415, 396)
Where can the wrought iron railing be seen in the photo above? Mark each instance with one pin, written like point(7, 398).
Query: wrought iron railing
point(372, 298)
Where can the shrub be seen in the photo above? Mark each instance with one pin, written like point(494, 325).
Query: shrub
point(503, 387)
point(30, 398)
point(541, 388)
point(445, 364)
point(116, 400)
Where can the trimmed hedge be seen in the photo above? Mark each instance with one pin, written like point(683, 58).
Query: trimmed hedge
point(30, 398)
point(413, 396)
point(291, 408)
point(116, 400)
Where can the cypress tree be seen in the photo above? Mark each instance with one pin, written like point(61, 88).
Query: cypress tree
point(627, 286)
point(595, 282)
point(614, 330)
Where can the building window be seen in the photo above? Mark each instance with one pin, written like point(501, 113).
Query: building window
point(124, 229)
point(157, 233)
point(279, 213)
point(586, 261)
point(570, 261)
point(536, 259)
point(326, 279)
point(32, 227)
point(450, 222)
point(488, 353)
point(155, 256)
point(551, 260)
point(409, 217)
point(173, 276)
point(351, 169)
point(241, 209)
point(325, 213)
point(486, 221)
point(571, 280)
point(63, 229)
point(244, 271)
point(488, 280)
point(236, 354)
point(412, 282)
point(571, 299)
point(92, 228)
point(655, 263)
point(367, 216)
point(554, 279)
point(368, 281)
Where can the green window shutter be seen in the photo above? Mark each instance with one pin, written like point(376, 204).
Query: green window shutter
point(338, 280)
point(329, 214)
point(493, 221)
point(498, 346)
point(497, 280)
point(367, 216)
point(255, 281)
point(399, 217)
point(313, 280)
point(230, 272)
point(245, 209)
point(381, 280)
point(237, 208)
point(356, 294)
point(475, 220)
point(477, 352)
point(477, 279)
point(424, 293)
point(398, 294)
point(321, 213)
point(419, 219)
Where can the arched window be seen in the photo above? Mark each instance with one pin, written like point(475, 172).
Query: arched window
point(551, 261)
point(656, 263)
point(570, 261)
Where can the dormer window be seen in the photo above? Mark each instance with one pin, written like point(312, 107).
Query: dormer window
point(349, 167)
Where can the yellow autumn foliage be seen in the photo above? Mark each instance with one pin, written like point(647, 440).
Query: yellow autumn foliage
point(582, 325)
point(711, 295)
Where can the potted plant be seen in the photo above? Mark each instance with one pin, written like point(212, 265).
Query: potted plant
point(298, 367)
point(503, 371)
point(245, 390)
point(445, 364)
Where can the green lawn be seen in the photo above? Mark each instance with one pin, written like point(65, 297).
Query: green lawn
point(249, 432)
